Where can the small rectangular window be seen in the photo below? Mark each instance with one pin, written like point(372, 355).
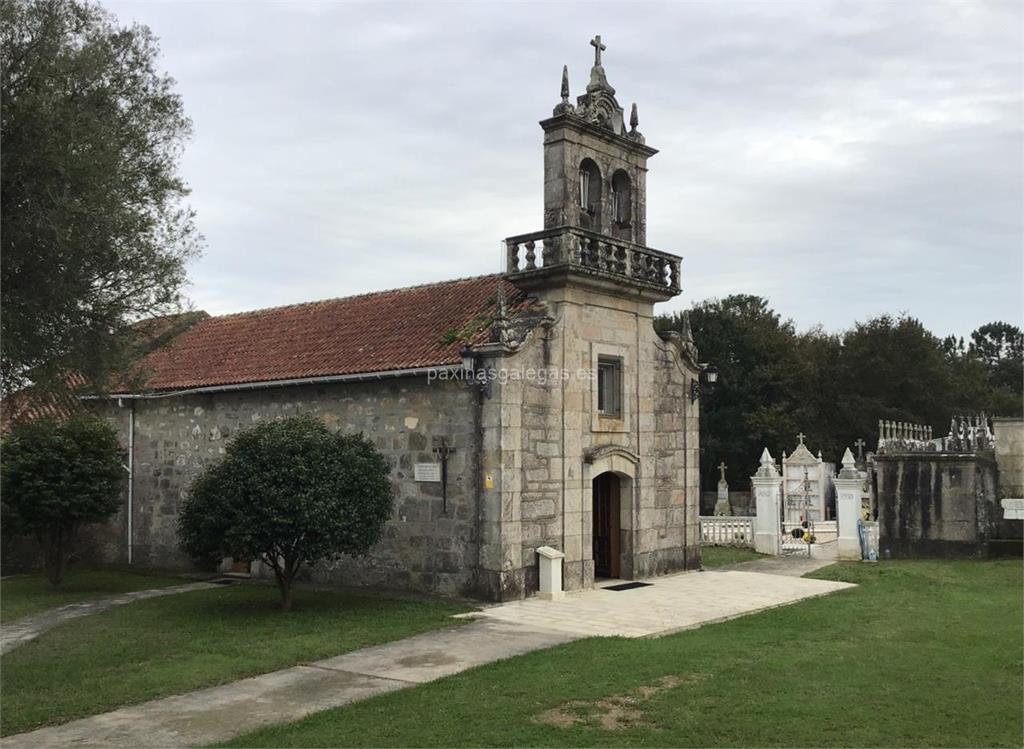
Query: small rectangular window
point(609, 387)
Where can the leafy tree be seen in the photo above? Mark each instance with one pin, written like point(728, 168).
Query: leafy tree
point(893, 368)
point(289, 493)
point(762, 379)
point(58, 476)
point(1001, 346)
point(774, 382)
point(94, 234)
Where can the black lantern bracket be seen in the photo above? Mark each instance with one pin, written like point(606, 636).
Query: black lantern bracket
point(704, 383)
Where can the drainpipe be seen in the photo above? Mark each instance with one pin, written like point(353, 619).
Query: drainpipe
point(131, 474)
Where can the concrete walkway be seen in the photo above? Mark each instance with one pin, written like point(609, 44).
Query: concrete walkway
point(213, 715)
point(668, 604)
point(220, 713)
point(789, 566)
point(20, 631)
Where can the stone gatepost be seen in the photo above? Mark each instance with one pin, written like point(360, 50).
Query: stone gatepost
point(849, 486)
point(767, 485)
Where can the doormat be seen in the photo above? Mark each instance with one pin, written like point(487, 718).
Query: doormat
point(627, 586)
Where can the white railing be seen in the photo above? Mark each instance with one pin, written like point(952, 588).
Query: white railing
point(727, 531)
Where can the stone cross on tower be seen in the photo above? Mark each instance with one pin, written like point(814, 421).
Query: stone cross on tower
point(721, 470)
point(860, 448)
point(598, 49)
point(801, 437)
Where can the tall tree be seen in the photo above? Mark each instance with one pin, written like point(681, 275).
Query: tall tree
point(94, 230)
point(892, 368)
point(1001, 346)
point(759, 400)
point(775, 382)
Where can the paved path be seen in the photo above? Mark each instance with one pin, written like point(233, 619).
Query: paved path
point(669, 604)
point(217, 714)
point(213, 715)
point(20, 631)
point(790, 566)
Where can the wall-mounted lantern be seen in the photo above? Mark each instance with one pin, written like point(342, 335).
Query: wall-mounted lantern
point(481, 377)
point(705, 382)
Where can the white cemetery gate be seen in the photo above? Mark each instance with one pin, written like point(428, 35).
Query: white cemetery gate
point(787, 521)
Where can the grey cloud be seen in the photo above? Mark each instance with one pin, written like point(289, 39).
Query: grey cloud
point(842, 159)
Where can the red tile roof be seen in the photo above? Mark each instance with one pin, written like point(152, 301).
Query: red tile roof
point(420, 326)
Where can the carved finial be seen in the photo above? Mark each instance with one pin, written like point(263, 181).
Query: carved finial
point(564, 106)
point(801, 437)
point(767, 469)
point(849, 470)
point(634, 121)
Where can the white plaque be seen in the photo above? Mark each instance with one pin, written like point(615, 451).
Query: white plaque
point(427, 472)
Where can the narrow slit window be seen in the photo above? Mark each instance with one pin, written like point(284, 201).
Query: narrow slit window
point(609, 387)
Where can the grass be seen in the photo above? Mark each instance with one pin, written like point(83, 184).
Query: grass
point(923, 653)
point(23, 595)
point(165, 646)
point(719, 556)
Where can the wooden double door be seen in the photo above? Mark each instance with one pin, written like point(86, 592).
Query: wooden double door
point(607, 533)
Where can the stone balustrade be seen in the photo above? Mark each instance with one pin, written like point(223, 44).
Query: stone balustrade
point(595, 253)
point(902, 436)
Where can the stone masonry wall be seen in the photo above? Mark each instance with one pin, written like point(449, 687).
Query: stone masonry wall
point(541, 436)
point(423, 547)
point(936, 504)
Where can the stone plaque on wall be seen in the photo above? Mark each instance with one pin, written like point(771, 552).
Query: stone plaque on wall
point(427, 472)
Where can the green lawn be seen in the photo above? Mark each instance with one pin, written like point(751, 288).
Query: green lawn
point(187, 641)
point(923, 653)
point(29, 594)
point(719, 556)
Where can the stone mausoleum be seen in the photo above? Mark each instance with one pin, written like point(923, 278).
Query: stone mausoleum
point(533, 407)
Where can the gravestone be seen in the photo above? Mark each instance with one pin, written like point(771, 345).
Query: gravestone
point(722, 504)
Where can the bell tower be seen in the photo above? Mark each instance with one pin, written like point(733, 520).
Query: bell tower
point(595, 199)
point(594, 168)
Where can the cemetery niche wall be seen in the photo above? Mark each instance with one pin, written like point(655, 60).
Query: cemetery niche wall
point(940, 497)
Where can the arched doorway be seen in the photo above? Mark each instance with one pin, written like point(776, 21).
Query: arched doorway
point(607, 531)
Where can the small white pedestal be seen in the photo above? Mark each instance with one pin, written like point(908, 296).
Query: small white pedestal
point(550, 573)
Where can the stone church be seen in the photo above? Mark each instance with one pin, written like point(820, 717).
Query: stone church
point(533, 407)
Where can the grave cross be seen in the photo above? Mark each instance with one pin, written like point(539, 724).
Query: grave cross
point(801, 437)
point(598, 49)
point(721, 469)
point(860, 448)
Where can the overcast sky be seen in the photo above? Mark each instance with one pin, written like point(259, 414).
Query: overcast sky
point(842, 159)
